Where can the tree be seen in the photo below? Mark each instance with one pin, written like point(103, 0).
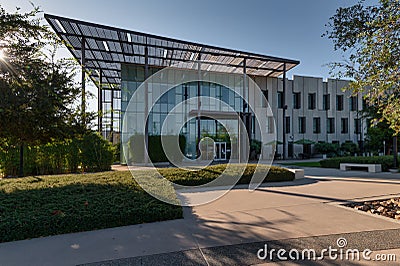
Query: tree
point(369, 39)
point(37, 93)
point(379, 133)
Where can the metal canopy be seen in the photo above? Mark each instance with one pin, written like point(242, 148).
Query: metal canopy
point(106, 48)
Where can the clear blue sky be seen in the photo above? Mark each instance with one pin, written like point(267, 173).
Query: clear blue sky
point(286, 28)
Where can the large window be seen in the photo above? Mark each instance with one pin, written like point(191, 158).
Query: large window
point(270, 124)
point(357, 126)
point(312, 97)
point(326, 102)
point(345, 125)
point(330, 125)
point(339, 102)
point(280, 99)
point(287, 124)
point(353, 103)
point(265, 99)
point(316, 125)
point(296, 100)
point(266, 94)
point(302, 125)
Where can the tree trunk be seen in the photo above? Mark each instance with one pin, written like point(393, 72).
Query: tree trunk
point(21, 160)
point(395, 151)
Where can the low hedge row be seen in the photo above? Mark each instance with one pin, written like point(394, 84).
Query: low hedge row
point(201, 177)
point(385, 161)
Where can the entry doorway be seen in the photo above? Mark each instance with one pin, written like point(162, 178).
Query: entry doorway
point(290, 150)
point(220, 151)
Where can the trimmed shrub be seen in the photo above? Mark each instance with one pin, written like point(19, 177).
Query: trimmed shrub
point(385, 161)
point(156, 151)
point(204, 176)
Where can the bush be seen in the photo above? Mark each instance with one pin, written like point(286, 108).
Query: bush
point(89, 152)
point(255, 145)
point(204, 176)
point(156, 151)
point(330, 149)
point(385, 161)
point(349, 148)
point(97, 154)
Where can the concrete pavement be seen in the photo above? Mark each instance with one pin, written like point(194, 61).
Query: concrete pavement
point(304, 213)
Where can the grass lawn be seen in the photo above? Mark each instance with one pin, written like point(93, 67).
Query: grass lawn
point(49, 205)
point(304, 164)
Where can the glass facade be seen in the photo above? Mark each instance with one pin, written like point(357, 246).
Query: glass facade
point(133, 77)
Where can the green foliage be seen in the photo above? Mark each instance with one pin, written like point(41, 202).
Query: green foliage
point(368, 37)
point(385, 161)
point(349, 148)
point(49, 205)
point(90, 153)
point(330, 149)
point(97, 154)
point(37, 92)
point(304, 164)
point(156, 150)
point(376, 135)
point(117, 153)
point(204, 176)
point(255, 145)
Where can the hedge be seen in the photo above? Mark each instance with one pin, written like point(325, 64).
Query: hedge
point(385, 161)
point(156, 151)
point(196, 178)
point(88, 153)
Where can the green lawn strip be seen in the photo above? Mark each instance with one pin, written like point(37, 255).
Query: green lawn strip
point(50, 205)
point(304, 164)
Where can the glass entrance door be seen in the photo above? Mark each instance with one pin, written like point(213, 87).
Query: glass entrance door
point(220, 151)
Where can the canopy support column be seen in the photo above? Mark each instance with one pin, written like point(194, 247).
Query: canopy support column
point(284, 113)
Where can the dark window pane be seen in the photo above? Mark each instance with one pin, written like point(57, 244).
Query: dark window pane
point(316, 125)
point(296, 100)
point(280, 99)
point(311, 101)
point(331, 125)
point(345, 125)
point(302, 125)
point(287, 121)
point(326, 102)
point(339, 102)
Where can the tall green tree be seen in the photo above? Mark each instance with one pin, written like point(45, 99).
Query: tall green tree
point(369, 39)
point(37, 93)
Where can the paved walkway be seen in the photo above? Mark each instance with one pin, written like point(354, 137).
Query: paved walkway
point(301, 214)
